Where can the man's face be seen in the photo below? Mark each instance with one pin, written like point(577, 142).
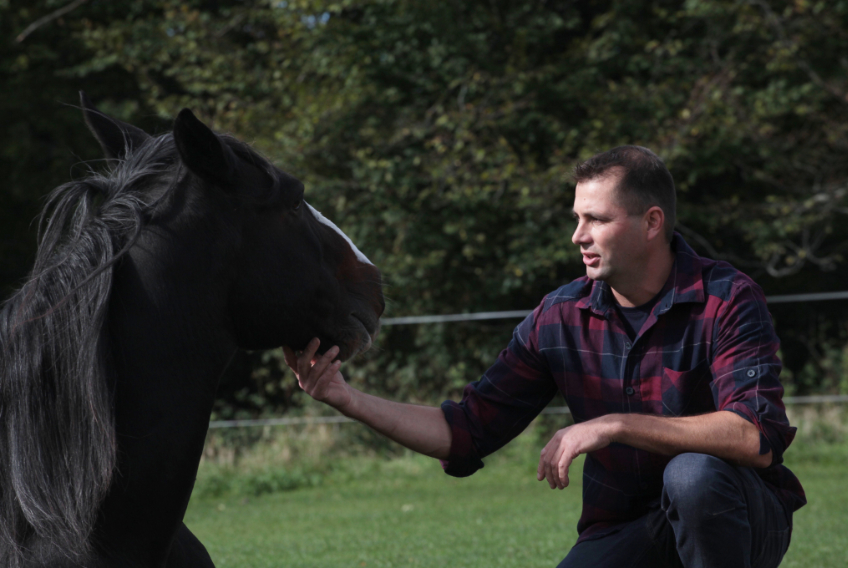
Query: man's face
point(612, 241)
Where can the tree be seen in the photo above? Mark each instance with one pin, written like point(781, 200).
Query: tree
point(440, 136)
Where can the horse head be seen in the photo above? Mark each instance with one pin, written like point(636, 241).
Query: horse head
point(294, 274)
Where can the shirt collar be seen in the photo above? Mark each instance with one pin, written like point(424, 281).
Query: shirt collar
point(684, 284)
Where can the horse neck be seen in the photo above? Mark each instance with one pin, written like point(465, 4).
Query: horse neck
point(169, 348)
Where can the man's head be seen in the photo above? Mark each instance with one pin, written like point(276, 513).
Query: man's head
point(624, 205)
point(643, 181)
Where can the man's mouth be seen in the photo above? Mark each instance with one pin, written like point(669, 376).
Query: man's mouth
point(591, 259)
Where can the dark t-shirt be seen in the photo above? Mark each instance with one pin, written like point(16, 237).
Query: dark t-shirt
point(634, 318)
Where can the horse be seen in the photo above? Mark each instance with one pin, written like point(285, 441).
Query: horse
point(146, 281)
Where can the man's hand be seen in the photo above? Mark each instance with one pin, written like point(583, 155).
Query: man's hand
point(569, 443)
point(320, 376)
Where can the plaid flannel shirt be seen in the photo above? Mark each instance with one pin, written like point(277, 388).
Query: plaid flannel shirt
point(708, 345)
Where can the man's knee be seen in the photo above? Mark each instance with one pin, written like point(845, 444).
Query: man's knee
point(699, 483)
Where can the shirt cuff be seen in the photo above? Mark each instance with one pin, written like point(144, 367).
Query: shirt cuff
point(740, 409)
point(463, 459)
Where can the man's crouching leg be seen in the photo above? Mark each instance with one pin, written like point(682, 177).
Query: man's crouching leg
point(723, 515)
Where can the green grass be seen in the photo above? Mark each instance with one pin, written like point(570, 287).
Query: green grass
point(367, 512)
point(820, 534)
point(410, 515)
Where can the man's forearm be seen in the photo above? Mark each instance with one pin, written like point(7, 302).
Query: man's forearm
point(721, 434)
point(420, 428)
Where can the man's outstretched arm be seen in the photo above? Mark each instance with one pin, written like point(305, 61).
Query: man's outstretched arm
point(722, 434)
point(419, 428)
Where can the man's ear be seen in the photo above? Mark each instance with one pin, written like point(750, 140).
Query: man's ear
point(115, 137)
point(655, 222)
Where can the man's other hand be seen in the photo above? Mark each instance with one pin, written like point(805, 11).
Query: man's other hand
point(567, 444)
point(320, 376)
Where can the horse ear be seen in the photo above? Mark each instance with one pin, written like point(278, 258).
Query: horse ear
point(202, 151)
point(115, 137)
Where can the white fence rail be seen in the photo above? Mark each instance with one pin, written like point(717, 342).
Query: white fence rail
point(515, 314)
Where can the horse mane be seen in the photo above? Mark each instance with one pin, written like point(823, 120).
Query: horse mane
point(58, 448)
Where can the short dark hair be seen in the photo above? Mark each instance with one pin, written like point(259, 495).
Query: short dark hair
point(645, 181)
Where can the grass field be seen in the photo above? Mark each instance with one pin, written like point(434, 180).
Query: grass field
point(406, 512)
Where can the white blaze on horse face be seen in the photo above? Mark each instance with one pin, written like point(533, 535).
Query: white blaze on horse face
point(323, 220)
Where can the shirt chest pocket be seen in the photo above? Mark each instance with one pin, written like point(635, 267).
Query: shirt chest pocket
point(686, 393)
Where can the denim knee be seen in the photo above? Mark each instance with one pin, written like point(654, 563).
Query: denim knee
point(698, 483)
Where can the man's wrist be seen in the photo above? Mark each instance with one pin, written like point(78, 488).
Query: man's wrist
point(350, 408)
point(614, 426)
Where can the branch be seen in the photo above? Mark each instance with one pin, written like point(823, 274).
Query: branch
point(774, 21)
point(229, 27)
point(49, 18)
point(805, 252)
point(712, 251)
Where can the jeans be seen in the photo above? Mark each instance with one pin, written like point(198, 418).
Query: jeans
point(711, 514)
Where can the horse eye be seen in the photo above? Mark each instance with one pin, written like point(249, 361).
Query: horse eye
point(297, 204)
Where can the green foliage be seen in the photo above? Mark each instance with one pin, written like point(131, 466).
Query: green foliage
point(822, 433)
point(227, 481)
point(252, 461)
point(828, 371)
point(440, 136)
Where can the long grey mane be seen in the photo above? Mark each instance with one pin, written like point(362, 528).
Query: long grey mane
point(57, 434)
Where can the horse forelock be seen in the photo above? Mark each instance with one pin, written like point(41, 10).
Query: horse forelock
point(57, 436)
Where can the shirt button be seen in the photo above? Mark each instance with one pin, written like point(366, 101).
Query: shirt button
point(629, 391)
point(752, 373)
point(627, 345)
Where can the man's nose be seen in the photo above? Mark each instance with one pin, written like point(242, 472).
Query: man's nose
point(579, 235)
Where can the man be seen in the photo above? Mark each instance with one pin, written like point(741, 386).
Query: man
point(668, 363)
